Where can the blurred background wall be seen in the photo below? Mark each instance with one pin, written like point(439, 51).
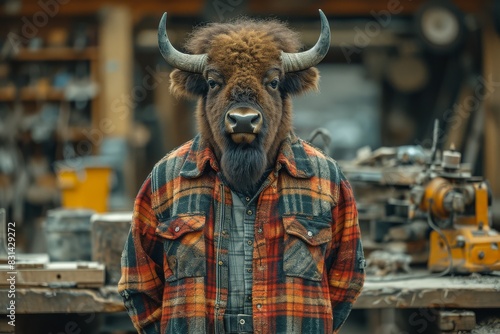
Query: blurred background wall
point(83, 82)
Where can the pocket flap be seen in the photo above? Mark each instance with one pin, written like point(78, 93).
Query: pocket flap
point(313, 230)
point(177, 226)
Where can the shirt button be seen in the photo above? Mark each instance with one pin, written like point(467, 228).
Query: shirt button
point(242, 321)
point(249, 212)
point(249, 298)
point(259, 230)
point(247, 199)
point(249, 242)
point(177, 228)
point(249, 270)
point(221, 263)
point(309, 233)
point(224, 232)
point(259, 306)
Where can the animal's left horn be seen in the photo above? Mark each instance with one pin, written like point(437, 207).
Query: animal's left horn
point(182, 61)
point(293, 62)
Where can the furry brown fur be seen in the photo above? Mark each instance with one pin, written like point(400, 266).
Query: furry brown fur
point(243, 60)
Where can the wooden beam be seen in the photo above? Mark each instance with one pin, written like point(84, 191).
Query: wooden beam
point(90, 274)
point(194, 8)
point(65, 300)
point(457, 320)
point(115, 73)
point(440, 293)
point(56, 54)
point(351, 7)
point(444, 292)
point(92, 7)
point(491, 74)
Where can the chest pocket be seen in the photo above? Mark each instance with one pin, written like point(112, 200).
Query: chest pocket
point(305, 242)
point(184, 245)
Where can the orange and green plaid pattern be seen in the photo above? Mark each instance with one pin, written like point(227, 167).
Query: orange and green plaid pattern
point(308, 264)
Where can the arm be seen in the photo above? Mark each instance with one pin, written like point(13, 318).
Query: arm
point(346, 273)
point(141, 284)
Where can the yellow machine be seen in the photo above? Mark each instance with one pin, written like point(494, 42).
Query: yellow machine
point(458, 207)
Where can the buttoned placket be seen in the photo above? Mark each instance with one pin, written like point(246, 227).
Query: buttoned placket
point(260, 252)
point(222, 245)
point(249, 231)
point(221, 273)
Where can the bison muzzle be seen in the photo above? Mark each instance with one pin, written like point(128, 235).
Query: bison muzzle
point(243, 123)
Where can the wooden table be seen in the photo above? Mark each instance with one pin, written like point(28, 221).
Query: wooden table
point(445, 292)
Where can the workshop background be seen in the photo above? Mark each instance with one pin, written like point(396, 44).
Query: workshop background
point(409, 104)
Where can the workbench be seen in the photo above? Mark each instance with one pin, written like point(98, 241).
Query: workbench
point(460, 292)
point(453, 292)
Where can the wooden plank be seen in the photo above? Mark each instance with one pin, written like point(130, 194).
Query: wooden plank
point(32, 94)
point(456, 320)
point(64, 300)
point(195, 7)
point(444, 292)
point(56, 54)
point(88, 274)
point(439, 293)
point(491, 74)
point(351, 7)
point(29, 260)
point(91, 7)
point(115, 73)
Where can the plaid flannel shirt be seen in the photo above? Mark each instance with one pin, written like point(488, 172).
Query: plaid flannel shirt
point(308, 264)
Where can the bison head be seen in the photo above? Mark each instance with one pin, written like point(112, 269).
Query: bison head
point(243, 74)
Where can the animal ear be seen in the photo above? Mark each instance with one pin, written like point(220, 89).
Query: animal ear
point(300, 82)
point(187, 84)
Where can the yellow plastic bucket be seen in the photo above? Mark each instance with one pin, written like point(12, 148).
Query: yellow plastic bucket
point(85, 188)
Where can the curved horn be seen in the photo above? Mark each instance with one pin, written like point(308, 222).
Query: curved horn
point(293, 62)
point(182, 61)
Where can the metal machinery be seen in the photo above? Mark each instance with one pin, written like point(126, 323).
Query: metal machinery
point(458, 208)
point(405, 193)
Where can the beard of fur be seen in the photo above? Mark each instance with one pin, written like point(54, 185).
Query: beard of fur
point(243, 167)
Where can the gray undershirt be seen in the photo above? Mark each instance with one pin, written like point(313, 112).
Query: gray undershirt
point(241, 239)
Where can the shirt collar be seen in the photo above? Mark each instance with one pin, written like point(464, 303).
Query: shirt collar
point(292, 156)
point(198, 157)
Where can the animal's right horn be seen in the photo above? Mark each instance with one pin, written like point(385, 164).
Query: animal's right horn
point(293, 62)
point(182, 61)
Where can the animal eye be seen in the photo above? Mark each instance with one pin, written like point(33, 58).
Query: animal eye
point(212, 83)
point(274, 84)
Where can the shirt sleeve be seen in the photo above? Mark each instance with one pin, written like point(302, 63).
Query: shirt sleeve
point(142, 281)
point(346, 273)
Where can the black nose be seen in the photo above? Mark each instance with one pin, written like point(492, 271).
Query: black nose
point(243, 120)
